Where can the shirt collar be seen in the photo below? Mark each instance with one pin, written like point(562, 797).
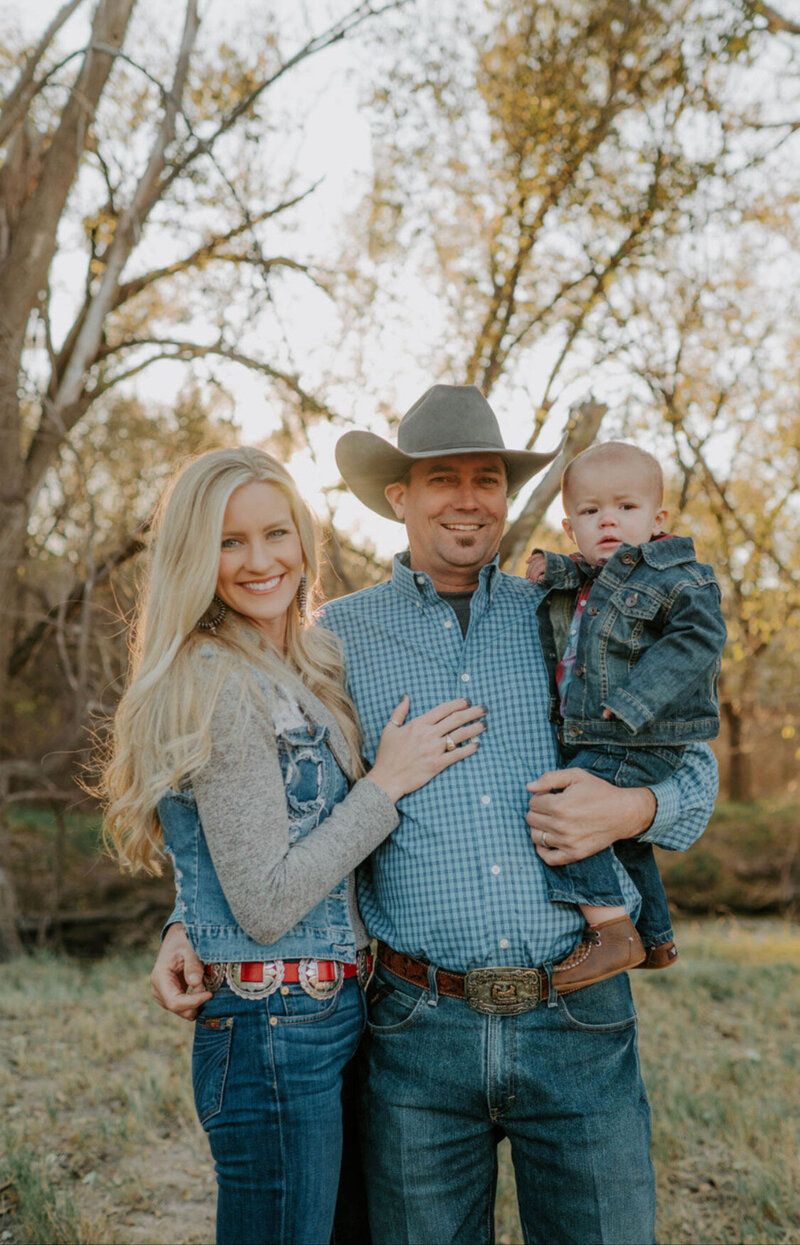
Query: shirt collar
point(416, 584)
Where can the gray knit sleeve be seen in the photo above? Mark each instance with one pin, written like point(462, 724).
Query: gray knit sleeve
point(240, 797)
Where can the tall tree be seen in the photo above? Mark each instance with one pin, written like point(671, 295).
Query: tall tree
point(156, 157)
point(712, 353)
point(531, 160)
point(135, 163)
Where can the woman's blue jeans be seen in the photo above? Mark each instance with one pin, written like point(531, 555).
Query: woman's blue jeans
point(444, 1084)
point(267, 1077)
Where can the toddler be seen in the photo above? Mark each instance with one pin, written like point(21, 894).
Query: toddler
point(632, 633)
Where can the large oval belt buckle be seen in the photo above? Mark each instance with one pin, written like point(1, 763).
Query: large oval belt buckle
point(307, 975)
point(272, 972)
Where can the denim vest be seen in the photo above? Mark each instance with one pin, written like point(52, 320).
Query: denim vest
point(314, 783)
point(649, 646)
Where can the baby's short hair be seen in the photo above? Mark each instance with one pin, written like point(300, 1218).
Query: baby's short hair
point(640, 461)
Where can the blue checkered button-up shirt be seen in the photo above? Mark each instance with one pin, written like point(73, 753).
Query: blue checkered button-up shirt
point(459, 882)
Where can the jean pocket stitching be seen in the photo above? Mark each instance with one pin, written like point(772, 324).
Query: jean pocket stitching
point(213, 1061)
point(406, 1022)
point(295, 1019)
point(613, 1026)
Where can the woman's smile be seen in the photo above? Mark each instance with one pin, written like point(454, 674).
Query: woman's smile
point(261, 558)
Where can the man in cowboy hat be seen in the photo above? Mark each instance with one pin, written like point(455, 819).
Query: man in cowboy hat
point(468, 1041)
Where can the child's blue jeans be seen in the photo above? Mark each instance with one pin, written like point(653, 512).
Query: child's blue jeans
point(594, 880)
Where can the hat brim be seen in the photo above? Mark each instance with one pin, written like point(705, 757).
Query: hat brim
point(368, 464)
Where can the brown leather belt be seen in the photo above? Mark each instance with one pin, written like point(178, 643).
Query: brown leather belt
point(493, 991)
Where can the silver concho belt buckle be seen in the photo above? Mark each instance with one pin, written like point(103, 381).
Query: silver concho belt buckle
point(311, 984)
point(272, 972)
point(503, 991)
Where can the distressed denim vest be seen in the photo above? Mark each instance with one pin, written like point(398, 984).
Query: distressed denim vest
point(314, 783)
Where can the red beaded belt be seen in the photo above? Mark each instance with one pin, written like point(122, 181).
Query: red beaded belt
point(257, 979)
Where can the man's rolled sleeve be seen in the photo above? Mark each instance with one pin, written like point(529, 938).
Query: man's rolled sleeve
point(685, 801)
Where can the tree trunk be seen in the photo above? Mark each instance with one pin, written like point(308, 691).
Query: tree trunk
point(583, 427)
point(13, 526)
point(23, 274)
point(10, 944)
point(740, 775)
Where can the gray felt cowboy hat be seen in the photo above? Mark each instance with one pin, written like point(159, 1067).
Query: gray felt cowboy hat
point(448, 419)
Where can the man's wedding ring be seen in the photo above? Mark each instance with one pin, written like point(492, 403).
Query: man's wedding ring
point(543, 840)
point(395, 723)
point(449, 743)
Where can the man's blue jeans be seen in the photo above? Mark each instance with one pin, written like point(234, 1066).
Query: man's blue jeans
point(267, 1077)
point(443, 1084)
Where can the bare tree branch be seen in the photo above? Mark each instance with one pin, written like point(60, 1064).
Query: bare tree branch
point(73, 599)
point(129, 225)
point(338, 30)
point(776, 22)
point(583, 426)
point(18, 100)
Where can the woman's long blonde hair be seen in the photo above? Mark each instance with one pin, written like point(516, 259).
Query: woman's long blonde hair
point(161, 731)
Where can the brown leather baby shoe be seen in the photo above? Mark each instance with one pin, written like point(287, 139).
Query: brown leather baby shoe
point(661, 956)
point(606, 949)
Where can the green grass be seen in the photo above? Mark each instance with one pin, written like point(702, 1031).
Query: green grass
point(83, 828)
point(718, 1040)
point(99, 1140)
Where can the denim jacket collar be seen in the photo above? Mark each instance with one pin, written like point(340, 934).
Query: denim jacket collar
point(659, 553)
point(673, 552)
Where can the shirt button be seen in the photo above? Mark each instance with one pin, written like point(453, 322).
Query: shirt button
point(465, 678)
point(580, 670)
point(631, 600)
point(627, 558)
point(495, 870)
point(273, 1020)
point(486, 799)
point(285, 990)
point(593, 609)
point(420, 579)
point(504, 944)
point(448, 622)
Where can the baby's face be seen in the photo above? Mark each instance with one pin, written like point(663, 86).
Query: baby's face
point(610, 504)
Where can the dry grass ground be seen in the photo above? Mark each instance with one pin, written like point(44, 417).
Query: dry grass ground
point(99, 1141)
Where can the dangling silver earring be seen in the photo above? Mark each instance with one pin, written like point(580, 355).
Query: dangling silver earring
point(302, 597)
point(209, 621)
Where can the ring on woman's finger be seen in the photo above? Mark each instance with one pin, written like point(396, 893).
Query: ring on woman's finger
point(449, 743)
point(543, 839)
point(395, 723)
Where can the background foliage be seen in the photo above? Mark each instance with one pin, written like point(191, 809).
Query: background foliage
point(587, 207)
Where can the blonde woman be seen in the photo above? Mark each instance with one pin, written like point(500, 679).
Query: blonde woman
point(236, 752)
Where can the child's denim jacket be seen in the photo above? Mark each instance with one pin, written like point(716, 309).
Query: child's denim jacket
point(649, 646)
point(314, 783)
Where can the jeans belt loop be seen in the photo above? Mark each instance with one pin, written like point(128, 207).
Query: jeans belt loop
point(433, 1001)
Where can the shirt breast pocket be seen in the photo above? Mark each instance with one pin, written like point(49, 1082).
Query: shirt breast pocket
point(637, 604)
